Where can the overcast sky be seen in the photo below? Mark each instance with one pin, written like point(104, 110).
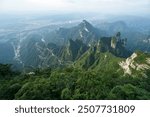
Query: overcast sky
point(101, 6)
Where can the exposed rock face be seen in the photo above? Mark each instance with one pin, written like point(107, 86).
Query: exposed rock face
point(113, 43)
point(119, 40)
point(142, 67)
point(148, 60)
point(131, 64)
point(128, 63)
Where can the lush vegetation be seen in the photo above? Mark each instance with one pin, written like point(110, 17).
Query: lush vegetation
point(71, 83)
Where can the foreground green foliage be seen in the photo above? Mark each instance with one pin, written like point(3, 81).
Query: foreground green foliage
point(72, 83)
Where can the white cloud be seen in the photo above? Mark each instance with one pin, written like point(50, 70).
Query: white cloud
point(33, 5)
point(103, 6)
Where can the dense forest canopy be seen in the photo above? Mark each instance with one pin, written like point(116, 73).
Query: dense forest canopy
point(71, 83)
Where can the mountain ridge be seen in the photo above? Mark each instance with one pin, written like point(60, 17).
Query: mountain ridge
point(65, 64)
point(37, 51)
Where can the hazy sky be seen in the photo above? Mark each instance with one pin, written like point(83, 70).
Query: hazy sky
point(102, 6)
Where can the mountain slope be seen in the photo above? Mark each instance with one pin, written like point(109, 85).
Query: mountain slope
point(34, 52)
point(84, 31)
point(33, 49)
point(73, 50)
point(96, 60)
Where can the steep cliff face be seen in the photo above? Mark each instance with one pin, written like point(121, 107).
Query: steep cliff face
point(113, 42)
point(118, 41)
point(73, 50)
point(116, 45)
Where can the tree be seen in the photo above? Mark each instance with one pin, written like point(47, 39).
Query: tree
point(66, 94)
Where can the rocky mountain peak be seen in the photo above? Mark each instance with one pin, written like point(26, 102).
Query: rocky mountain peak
point(86, 26)
point(85, 22)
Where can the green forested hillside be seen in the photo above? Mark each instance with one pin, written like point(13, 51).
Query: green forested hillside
point(72, 83)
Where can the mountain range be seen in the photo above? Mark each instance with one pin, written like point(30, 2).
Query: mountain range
point(80, 62)
point(81, 46)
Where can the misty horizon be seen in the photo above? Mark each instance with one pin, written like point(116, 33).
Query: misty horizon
point(113, 7)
